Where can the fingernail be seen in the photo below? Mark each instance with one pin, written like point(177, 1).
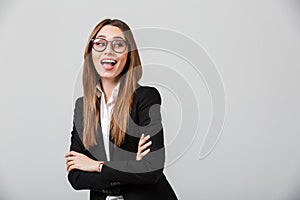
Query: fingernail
point(143, 135)
point(148, 136)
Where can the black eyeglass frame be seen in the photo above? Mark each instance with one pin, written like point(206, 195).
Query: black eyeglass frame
point(111, 43)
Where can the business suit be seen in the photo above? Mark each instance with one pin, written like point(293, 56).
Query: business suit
point(123, 175)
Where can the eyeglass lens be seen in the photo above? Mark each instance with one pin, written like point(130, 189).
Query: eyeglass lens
point(118, 45)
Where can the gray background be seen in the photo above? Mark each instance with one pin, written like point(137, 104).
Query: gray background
point(254, 44)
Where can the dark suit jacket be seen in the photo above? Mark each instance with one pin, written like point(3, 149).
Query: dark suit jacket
point(123, 175)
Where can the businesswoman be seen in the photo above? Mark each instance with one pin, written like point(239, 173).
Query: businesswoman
point(117, 143)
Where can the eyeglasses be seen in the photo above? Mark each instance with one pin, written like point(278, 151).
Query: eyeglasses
point(118, 45)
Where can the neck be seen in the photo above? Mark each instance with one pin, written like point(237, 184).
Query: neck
point(107, 86)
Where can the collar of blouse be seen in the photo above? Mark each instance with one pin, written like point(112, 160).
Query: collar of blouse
point(114, 92)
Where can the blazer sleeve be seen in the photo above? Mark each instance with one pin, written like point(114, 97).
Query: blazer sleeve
point(79, 179)
point(115, 174)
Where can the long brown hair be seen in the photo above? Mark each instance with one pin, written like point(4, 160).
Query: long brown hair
point(130, 75)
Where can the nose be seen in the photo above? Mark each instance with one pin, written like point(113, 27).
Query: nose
point(108, 49)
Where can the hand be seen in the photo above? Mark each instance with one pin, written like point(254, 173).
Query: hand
point(75, 160)
point(142, 146)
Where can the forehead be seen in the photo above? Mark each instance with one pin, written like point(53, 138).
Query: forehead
point(110, 32)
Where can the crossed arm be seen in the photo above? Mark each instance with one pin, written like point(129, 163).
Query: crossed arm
point(76, 160)
point(148, 166)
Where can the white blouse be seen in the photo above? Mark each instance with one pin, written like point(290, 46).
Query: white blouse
point(105, 117)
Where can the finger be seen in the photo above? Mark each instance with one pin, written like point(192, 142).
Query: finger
point(75, 153)
point(145, 146)
point(145, 153)
point(138, 157)
point(142, 141)
point(68, 154)
point(142, 137)
point(146, 138)
point(71, 153)
point(70, 167)
point(70, 158)
point(71, 162)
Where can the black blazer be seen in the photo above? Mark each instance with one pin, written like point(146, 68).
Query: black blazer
point(123, 175)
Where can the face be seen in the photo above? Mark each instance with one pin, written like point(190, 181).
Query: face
point(108, 63)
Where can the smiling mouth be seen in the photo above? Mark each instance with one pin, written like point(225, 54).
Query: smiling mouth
point(110, 62)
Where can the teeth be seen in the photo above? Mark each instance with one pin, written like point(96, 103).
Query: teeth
point(108, 61)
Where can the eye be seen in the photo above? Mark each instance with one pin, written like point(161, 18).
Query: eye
point(100, 42)
point(119, 43)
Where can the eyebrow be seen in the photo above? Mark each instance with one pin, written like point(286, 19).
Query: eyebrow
point(116, 37)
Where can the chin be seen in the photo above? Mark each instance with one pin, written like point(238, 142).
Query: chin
point(108, 75)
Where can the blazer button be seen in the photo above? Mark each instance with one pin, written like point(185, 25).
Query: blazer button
point(103, 190)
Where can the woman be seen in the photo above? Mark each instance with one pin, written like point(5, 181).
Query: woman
point(109, 154)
